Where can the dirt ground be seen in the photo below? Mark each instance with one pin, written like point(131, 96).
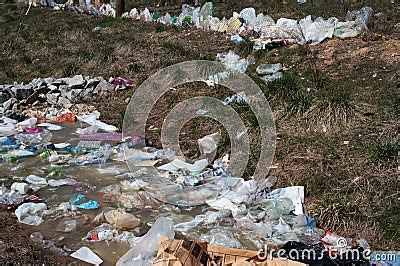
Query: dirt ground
point(336, 108)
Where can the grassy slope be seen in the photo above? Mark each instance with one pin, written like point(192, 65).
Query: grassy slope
point(352, 189)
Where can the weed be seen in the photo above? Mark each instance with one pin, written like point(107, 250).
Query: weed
point(334, 212)
point(389, 221)
point(334, 107)
point(160, 28)
point(175, 48)
point(384, 151)
point(260, 54)
point(246, 46)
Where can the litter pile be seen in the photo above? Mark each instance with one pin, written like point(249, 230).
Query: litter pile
point(260, 28)
point(79, 193)
point(62, 92)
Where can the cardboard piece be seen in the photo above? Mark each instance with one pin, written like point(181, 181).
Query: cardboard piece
point(174, 252)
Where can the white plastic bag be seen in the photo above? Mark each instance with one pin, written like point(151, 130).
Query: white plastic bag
point(145, 248)
point(30, 213)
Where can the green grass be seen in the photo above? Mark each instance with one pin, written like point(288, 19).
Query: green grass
point(173, 47)
point(385, 151)
point(389, 222)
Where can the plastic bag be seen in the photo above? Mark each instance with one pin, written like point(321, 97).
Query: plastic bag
point(233, 61)
point(267, 69)
point(361, 17)
point(92, 119)
point(146, 247)
point(206, 10)
point(221, 237)
point(87, 255)
point(249, 16)
point(30, 213)
point(317, 31)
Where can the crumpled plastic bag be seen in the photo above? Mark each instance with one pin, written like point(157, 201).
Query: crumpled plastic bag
point(317, 31)
point(209, 144)
point(221, 237)
point(249, 16)
point(234, 62)
point(361, 17)
point(30, 213)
